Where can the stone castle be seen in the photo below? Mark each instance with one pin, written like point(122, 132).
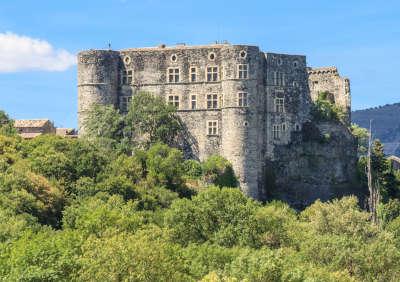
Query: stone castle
point(237, 101)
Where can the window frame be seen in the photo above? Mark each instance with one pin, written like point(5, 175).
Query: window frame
point(212, 73)
point(191, 73)
point(243, 99)
point(276, 131)
point(214, 128)
point(239, 71)
point(174, 75)
point(174, 102)
point(279, 107)
point(213, 101)
point(279, 78)
point(193, 101)
point(126, 78)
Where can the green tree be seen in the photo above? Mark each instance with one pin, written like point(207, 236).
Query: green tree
point(325, 109)
point(6, 125)
point(222, 216)
point(362, 138)
point(44, 256)
point(218, 170)
point(152, 120)
point(126, 257)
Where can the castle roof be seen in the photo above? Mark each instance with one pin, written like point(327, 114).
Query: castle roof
point(20, 123)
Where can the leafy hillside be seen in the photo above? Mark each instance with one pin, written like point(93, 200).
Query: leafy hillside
point(112, 208)
point(385, 126)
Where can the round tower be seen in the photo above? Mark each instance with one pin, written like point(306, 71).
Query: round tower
point(97, 81)
point(241, 129)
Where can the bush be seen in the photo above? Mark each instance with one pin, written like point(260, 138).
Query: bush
point(219, 171)
point(324, 109)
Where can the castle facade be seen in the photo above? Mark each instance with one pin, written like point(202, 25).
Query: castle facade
point(235, 100)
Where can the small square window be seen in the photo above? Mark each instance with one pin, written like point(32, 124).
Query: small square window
point(212, 127)
point(173, 75)
point(212, 101)
point(173, 100)
point(243, 71)
point(212, 73)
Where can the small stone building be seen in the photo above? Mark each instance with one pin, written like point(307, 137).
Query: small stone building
point(30, 128)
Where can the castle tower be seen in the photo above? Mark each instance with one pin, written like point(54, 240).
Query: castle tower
point(98, 78)
point(327, 79)
point(243, 101)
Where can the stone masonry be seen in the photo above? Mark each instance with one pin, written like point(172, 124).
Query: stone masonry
point(235, 100)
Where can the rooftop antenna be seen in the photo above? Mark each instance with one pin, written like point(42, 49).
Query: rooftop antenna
point(109, 46)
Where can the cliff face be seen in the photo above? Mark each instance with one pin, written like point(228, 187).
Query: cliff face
point(319, 163)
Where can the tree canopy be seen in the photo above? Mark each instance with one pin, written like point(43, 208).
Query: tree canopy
point(82, 210)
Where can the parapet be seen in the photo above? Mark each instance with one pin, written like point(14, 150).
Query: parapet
point(322, 70)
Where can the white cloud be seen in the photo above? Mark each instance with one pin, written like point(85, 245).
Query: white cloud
point(22, 53)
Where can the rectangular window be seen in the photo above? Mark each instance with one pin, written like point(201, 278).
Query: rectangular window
point(212, 101)
point(276, 131)
point(124, 103)
point(127, 77)
point(212, 127)
point(279, 105)
point(212, 73)
point(173, 75)
point(194, 102)
point(242, 99)
point(279, 78)
point(243, 71)
point(193, 74)
point(173, 100)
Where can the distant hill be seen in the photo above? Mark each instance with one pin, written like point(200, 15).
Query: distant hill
point(385, 125)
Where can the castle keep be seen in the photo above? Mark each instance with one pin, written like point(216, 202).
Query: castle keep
point(235, 100)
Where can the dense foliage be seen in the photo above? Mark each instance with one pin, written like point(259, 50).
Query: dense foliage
point(79, 210)
point(325, 109)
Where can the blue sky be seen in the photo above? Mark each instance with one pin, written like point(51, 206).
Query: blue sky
point(362, 38)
